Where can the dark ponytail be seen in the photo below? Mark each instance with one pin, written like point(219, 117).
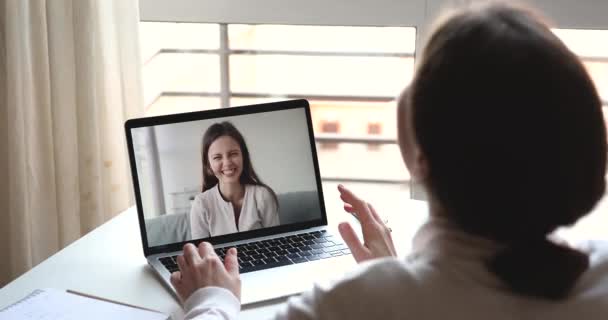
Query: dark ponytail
point(540, 268)
point(501, 106)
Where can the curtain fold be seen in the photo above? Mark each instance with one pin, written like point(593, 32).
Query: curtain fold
point(70, 78)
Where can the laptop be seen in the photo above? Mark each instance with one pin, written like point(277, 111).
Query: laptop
point(280, 230)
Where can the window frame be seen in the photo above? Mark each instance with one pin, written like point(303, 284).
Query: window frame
point(582, 14)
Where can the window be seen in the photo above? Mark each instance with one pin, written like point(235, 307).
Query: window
point(345, 72)
point(592, 47)
point(344, 60)
point(180, 67)
point(374, 129)
point(332, 127)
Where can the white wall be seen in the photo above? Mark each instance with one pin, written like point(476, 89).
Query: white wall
point(278, 144)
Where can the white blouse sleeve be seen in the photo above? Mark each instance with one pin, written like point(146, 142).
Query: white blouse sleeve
point(218, 303)
point(198, 224)
point(212, 303)
point(268, 208)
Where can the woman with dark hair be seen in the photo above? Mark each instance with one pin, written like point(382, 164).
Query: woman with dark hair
point(503, 127)
point(233, 198)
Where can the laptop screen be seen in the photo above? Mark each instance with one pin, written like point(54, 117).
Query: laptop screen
point(219, 174)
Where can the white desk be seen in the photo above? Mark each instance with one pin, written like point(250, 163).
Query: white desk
point(109, 261)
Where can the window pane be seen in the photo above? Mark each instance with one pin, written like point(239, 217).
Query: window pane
point(591, 226)
point(592, 46)
point(172, 104)
point(354, 160)
point(322, 38)
point(167, 69)
point(355, 118)
point(320, 75)
point(155, 36)
point(180, 72)
point(388, 200)
point(586, 43)
point(599, 73)
point(362, 64)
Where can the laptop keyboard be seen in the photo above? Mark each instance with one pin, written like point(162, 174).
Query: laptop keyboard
point(279, 252)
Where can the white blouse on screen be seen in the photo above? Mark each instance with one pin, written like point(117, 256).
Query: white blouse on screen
point(211, 215)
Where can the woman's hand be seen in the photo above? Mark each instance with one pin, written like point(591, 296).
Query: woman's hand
point(203, 268)
point(376, 235)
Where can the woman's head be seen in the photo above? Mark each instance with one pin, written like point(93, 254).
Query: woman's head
point(225, 157)
point(505, 124)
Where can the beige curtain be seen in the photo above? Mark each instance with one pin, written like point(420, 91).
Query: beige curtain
point(69, 79)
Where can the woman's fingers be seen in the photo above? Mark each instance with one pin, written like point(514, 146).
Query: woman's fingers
point(349, 236)
point(176, 282)
point(231, 262)
point(348, 208)
point(176, 278)
point(364, 212)
point(191, 254)
point(358, 206)
point(201, 267)
point(375, 215)
point(205, 249)
point(376, 235)
point(181, 263)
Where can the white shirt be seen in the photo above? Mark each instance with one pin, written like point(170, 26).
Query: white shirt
point(211, 215)
point(444, 278)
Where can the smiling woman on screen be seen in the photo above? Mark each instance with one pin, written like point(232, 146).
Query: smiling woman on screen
point(233, 198)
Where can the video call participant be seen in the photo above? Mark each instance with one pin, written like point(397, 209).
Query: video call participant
point(233, 198)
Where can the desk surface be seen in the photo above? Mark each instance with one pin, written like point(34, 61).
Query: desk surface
point(109, 261)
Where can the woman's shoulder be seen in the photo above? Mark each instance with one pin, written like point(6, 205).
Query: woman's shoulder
point(387, 269)
point(206, 196)
point(388, 284)
point(380, 276)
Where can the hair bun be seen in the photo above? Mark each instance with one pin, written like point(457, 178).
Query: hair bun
point(540, 268)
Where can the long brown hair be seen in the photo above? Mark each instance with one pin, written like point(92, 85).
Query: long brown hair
point(248, 175)
point(511, 126)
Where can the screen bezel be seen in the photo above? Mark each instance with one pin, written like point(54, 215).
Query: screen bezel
point(221, 113)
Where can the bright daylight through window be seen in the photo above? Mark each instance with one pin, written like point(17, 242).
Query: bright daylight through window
point(350, 75)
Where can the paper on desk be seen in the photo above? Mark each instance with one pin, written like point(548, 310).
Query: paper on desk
point(55, 304)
